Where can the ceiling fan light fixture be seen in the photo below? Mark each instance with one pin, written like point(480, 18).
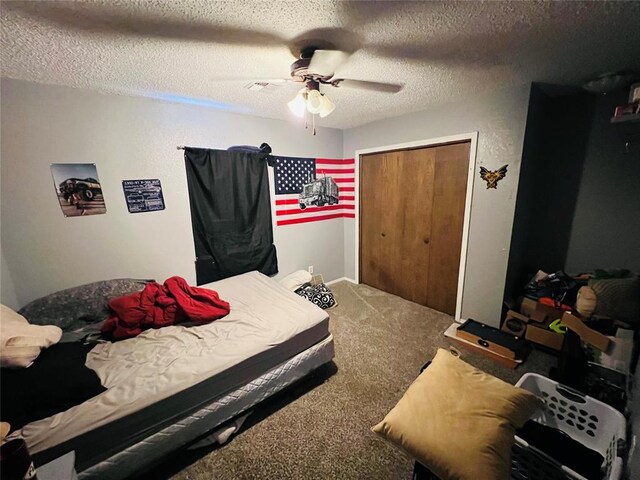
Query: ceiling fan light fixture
point(298, 104)
point(314, 101)
point(327, 106)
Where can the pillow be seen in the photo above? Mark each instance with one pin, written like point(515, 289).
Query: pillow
point(459, 421)
point(77, 307)
point(318, 294)
point(295, 280)
point(21, 342)
point(617, 298)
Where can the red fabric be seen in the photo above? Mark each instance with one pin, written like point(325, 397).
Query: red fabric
point(162, 305)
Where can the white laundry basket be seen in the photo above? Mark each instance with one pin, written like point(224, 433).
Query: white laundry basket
point(594, 424)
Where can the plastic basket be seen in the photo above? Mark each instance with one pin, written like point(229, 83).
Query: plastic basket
point(594, 424)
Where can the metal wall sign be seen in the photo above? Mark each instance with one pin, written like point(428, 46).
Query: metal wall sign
point(143, 195)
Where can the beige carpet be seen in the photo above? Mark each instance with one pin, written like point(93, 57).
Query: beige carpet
point(320, 428)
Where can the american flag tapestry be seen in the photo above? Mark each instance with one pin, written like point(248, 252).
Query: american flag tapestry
point(314, 189)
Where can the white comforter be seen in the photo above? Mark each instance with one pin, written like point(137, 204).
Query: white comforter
point(159, 363)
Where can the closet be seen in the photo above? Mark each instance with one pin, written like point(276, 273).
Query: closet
point(411, 220)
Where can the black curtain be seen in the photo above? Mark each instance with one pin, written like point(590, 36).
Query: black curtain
point(230, 213)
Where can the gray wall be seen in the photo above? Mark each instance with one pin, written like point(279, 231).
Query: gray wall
point(552, 162)
point(500, 118)
point(128, 138)
point(606, 225)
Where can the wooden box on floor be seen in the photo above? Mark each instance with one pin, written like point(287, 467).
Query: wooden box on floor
point(489, 349)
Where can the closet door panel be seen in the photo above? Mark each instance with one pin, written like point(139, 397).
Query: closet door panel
point(452, 163)
point(396, 189)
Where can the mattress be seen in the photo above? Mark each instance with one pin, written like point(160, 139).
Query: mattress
point(135, 458)
point(164, 375)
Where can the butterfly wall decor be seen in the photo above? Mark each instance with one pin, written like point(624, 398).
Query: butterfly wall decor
point(493, 177)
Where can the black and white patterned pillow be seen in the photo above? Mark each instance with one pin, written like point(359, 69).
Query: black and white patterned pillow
point(319, 295)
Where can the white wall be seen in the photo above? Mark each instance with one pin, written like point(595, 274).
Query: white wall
point(500, 118)
point(127, 138)
point(9, 297)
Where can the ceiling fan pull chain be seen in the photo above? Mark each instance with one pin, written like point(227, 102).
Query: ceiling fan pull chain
point(314, 123)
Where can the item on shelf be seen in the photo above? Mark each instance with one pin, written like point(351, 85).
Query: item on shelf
point(634, 93)
point(627, 109)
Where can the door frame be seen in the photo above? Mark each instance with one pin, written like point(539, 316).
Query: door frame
point(431, 142)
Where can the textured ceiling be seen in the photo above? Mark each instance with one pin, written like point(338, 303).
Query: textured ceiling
point(209, 50)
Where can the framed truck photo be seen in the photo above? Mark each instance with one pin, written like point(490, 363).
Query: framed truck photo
point(78, 189)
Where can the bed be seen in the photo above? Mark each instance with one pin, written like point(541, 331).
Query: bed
point(169, 386)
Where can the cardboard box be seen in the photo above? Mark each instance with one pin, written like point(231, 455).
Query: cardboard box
point(539, 312)
point(539, 316)
point(540, 334)
point(514, 327)
point(619, 355)
point(515, 323)
point(528, 306)
point(550, 312)
point(588, 335)
point(517, 316)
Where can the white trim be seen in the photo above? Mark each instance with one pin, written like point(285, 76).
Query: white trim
point(471, 136)
point(346, 279)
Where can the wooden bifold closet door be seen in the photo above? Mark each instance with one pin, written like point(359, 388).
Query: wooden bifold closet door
point(411, 220)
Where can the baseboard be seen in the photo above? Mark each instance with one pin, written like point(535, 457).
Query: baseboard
point(346, 279)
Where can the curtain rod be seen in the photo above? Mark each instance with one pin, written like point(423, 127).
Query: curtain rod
point(180, 147)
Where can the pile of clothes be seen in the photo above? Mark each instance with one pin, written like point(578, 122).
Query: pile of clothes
point(162, 305)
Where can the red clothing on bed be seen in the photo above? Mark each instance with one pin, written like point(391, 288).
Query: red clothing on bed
point(162, 305)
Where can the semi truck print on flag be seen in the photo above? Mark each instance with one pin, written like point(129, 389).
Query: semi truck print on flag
point(314, 189)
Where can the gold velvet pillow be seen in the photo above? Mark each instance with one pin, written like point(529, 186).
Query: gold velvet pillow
point(459, 421)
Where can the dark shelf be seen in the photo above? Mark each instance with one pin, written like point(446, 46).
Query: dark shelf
point(626, 118)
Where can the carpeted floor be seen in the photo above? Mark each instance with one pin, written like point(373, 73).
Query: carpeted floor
point(320, 428)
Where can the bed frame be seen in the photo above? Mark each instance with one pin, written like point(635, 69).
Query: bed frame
point(136, 458)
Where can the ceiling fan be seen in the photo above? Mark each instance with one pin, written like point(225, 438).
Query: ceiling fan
point(316, 67)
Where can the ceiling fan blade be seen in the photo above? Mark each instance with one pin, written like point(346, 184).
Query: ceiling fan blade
point(276, 81)
point(111, 19)
point(325, 62)
point(373, 86)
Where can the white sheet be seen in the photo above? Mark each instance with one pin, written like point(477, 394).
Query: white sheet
point(159, 363)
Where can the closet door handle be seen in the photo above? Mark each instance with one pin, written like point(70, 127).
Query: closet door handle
point(426, 241)
point(383, 234)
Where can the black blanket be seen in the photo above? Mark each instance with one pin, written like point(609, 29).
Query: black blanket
point(57, 381)
point(230, 213)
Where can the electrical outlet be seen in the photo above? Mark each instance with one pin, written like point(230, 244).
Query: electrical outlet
point(311, 269)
